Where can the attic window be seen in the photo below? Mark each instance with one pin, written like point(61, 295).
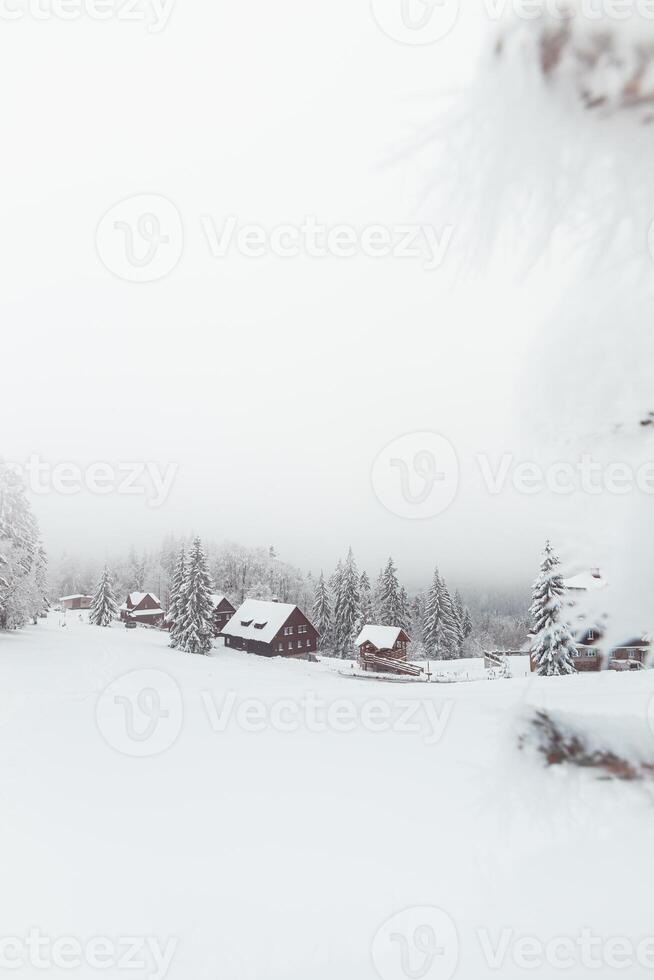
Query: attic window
point(246, 622)
point(260, 626)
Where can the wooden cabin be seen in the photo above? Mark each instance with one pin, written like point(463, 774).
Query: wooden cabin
point(143, 607)
point(270, 629)
point(76, 601)
point(384, 649)
point(223, 611)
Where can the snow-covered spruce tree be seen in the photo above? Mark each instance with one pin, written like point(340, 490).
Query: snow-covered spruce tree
point(365, 601)
point(195, 634)
point(405, 610)
point(416, 623)
point(467, 623)
point(457, 622)
point(346, 609)
point(389, 599)
point(377, 599)
point(104, 607)
point(22, 559)
point(439, 631)
point(322, 614)
point(553, 647)
point(176, 599)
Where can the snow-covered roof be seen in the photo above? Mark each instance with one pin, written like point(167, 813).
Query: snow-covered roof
point(382, 637)
point(585, 580)
point(217, 599)
point(137, 597)
point(146, 612)
point(77, 595)
point(257, 619)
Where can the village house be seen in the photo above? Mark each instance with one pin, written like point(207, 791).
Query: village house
point(591, 656)
point(142, 607)
point(271, 629)
point(384, 649)
point(223, 611)
point(76, 601)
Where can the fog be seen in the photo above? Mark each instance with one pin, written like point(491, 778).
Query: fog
point(264, 387)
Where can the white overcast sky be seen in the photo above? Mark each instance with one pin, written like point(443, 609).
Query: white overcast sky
point(273, 383)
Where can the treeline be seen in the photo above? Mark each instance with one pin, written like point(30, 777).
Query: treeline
point(236, 571)
point(436, 620)
point(23, 563)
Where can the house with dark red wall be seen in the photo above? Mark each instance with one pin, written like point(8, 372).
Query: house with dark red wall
point(223, 611)
point(271, 629)
point(143, 607)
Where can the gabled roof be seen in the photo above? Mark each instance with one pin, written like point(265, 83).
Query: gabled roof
point(257, 619)
point(217, 599)
point(382, 637)
point(588, 581)
point(138, 597)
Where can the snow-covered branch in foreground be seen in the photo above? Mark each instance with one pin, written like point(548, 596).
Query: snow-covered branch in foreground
point(612, 746)
point(603, 61)
point(545, 164)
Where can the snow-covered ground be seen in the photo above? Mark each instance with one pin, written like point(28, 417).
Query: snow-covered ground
point(250, 819)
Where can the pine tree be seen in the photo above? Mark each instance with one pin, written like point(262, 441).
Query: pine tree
point(553, 648)
point(457, 622)
point(405, 610)
point(440, 633)
point(377, 593)
point(104, 607)
point(335, 581)
point(22, 559)
point(416, 624)
point(346, 608)
point(365, 602)
point(389, 600)
point(195, 631)
point(467, 623)
point(176, 600)
point(322, 613)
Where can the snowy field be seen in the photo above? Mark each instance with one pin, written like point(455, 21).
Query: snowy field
point(236, 818)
